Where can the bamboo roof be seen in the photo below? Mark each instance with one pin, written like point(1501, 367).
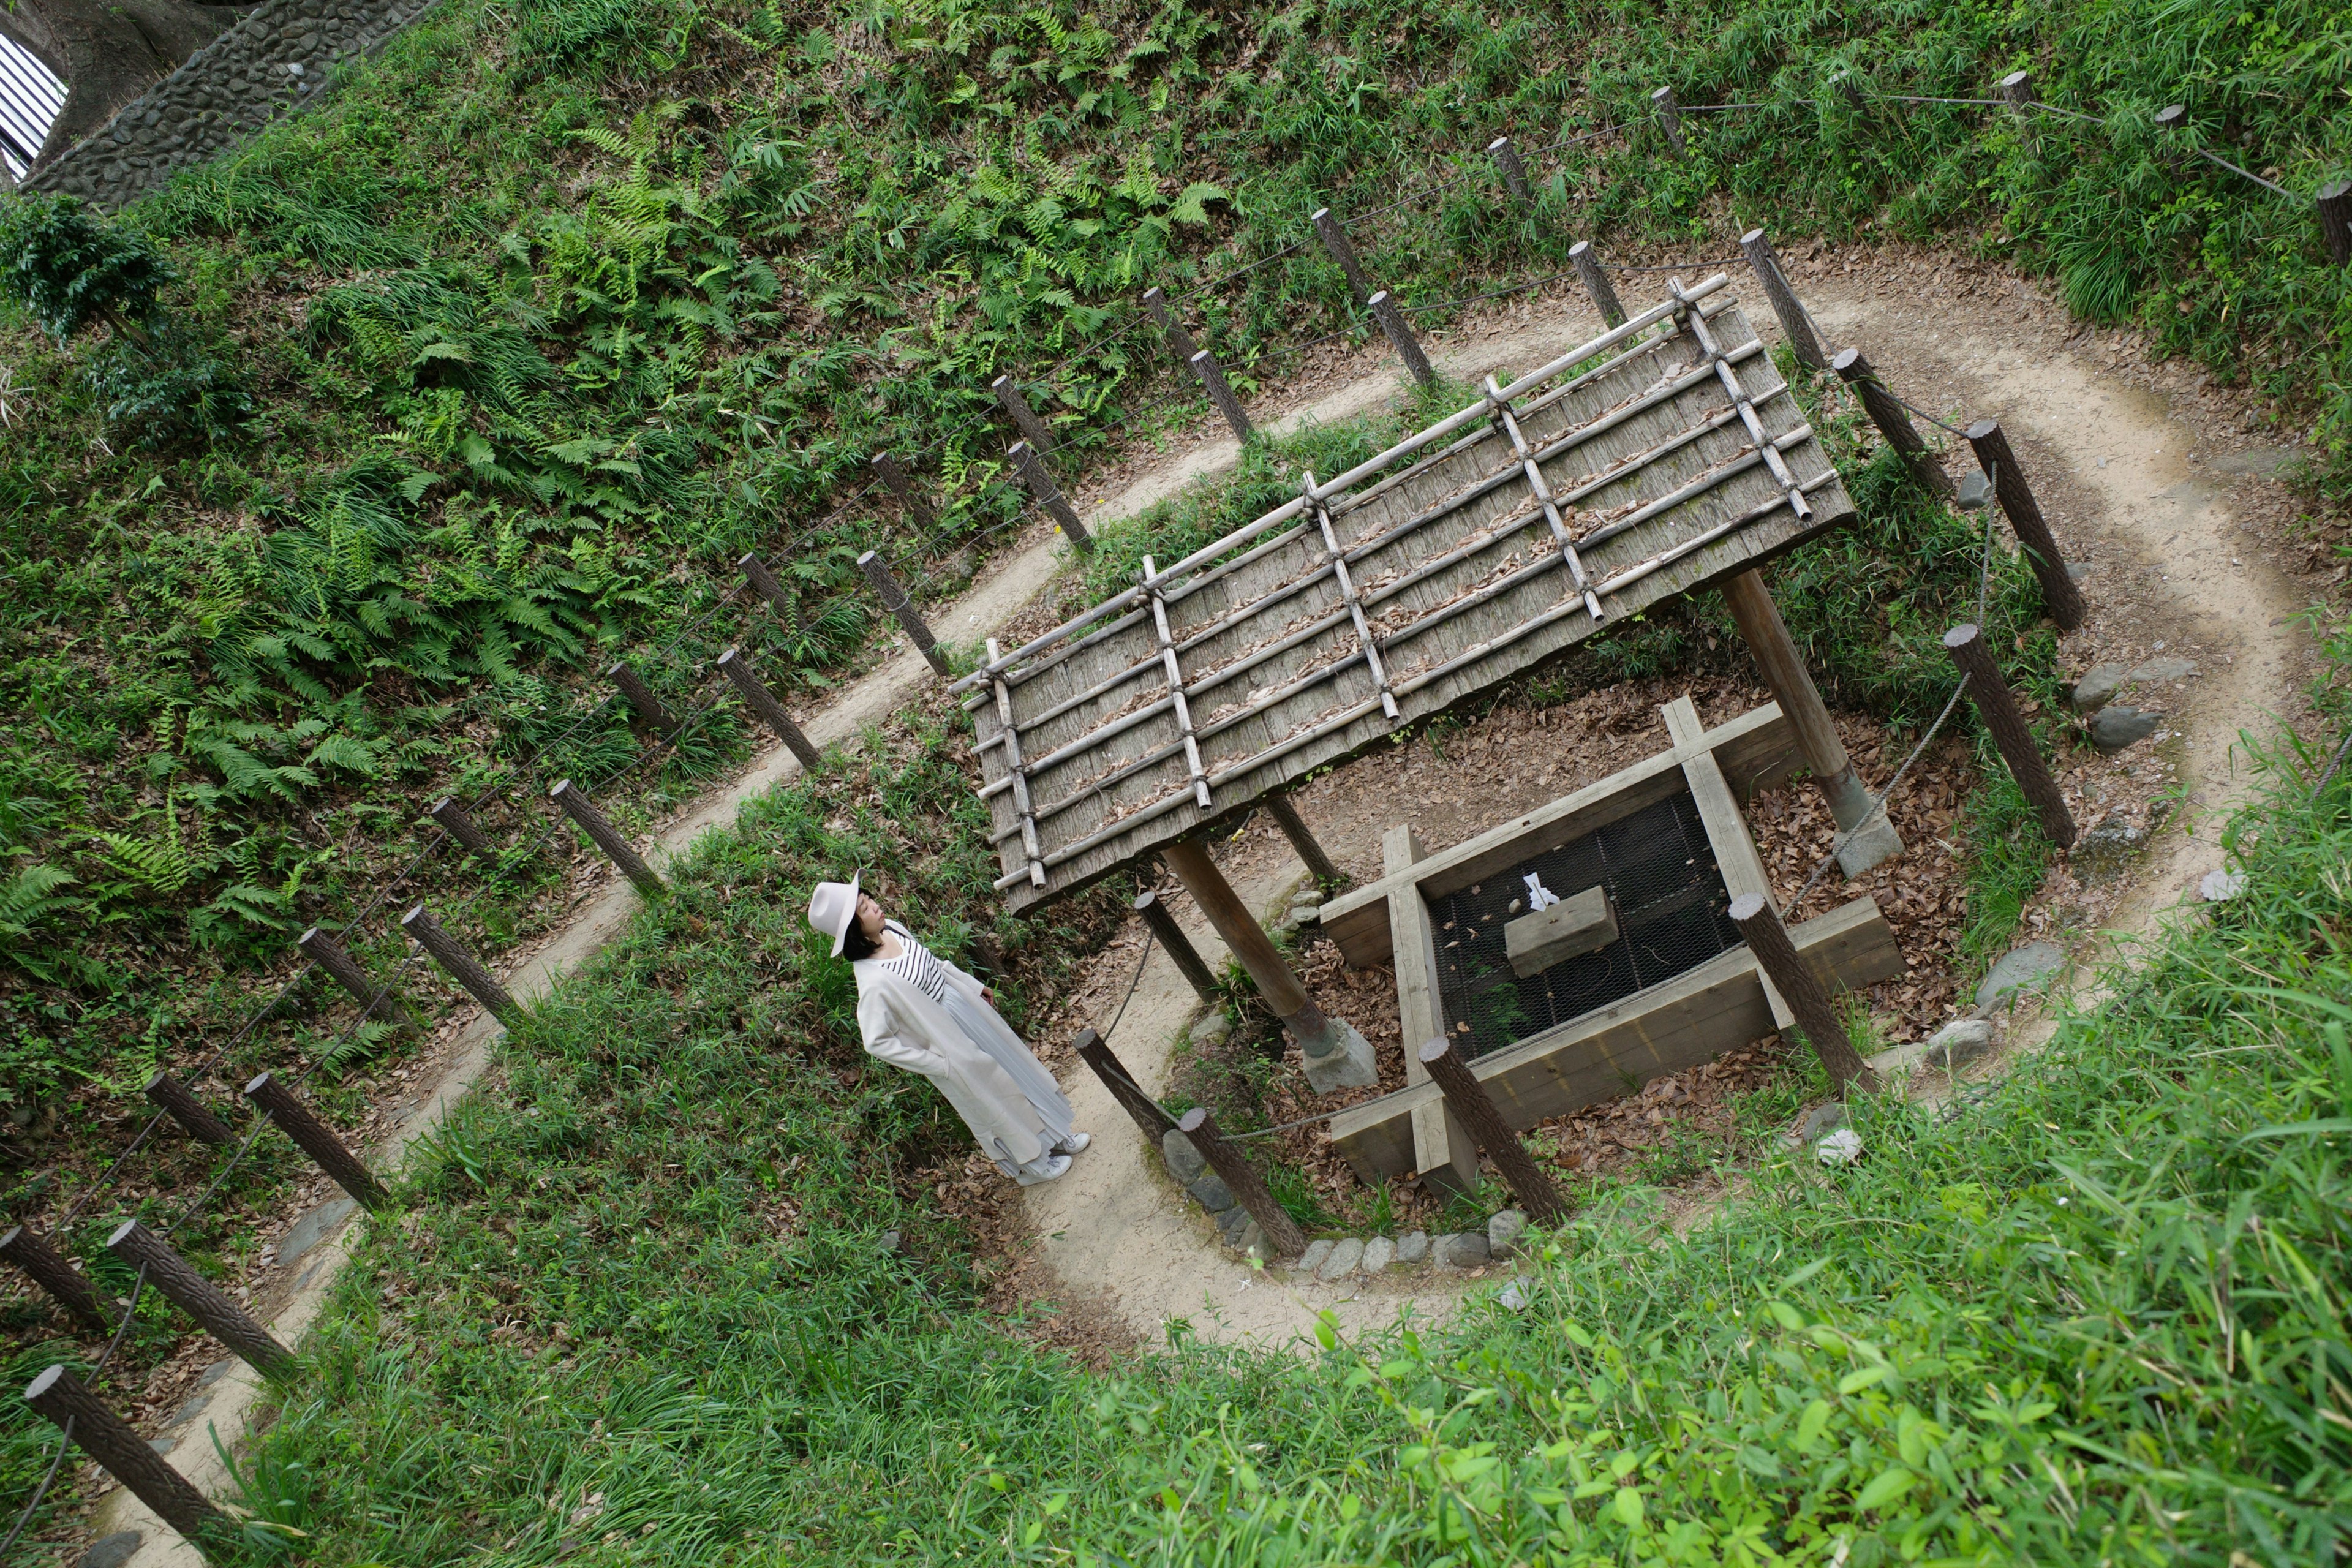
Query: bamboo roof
point(1657, 458)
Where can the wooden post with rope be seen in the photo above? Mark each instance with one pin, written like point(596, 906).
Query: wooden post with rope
point(1249, 1190)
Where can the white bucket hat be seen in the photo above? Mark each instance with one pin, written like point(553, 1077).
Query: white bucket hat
point(832, 909)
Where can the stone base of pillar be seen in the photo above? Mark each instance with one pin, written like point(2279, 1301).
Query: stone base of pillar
point(1875, 844)
point(1341, 1057)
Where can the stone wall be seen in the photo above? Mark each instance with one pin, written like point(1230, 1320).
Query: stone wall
point(274, 59)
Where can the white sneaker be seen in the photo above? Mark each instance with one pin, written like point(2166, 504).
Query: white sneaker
point(1076, 1143)
point(1045, 1170)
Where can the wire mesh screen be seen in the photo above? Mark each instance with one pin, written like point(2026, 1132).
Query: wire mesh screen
point(1673, 914)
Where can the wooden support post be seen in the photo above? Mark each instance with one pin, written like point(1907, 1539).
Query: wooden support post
point(1220, 393)
point(2058, 594)
point(1179, 947)
point(1892, 420)
point(1400, 335)
point(900, 483)
point(1285, 812)
point(316, 1138)
point(1033, 429)
point(2335, 203)
point(1443, 1151)
point(1776, 955)
point(459, 825)
point(1179, 342)
point(1817, 738)
point(1514, 172)
point(2018, 87)
point(1282, 1232)
point(128, 1457)
point(1041, 485)
point(1998, 708)
point(1468, 1099)
point(324, 951)
point(1670, 120)
point(641, 699)
point(1595, 279)
point(459, 965)
point(600, 830)
point(1795, 325)
point(762, 702)
point(1249, 944)
point(202, 1299)
point(169, 1094)
point(55, 1273)
point(1149, 1119)
point(764, 584)
point(894, 599)
point(2172, 116)
point(1334, 237)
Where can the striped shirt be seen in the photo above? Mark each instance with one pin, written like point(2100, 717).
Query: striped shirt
point(917, 964)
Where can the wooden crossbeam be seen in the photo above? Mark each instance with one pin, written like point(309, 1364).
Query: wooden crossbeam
point(1020, 778)
point(1176, 688)
point(1541, 489)
point(1772, 454)
point(1338, 560)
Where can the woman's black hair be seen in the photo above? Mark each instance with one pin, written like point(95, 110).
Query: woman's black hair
point(856, 944)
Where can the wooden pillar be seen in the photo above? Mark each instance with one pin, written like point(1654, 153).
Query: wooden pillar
point(1795, 325)
point(1475, 1109)
point(1282, 1232)
point(1149, 1119)
point(2334, 205)
point(1514, 172)
point(900, 483)
point(202, 1299)
point(1998, 709)
point(1817, 738)
point(1595, 279)
point(575, 805)
point(1204, 365)
point(1179, 947)
point(314, 1138)
point(55, 1273)
point(459, 965)
point(1768, 939)
point(1032, 469)
point(1400, 335)
point(1670, 120)
point(764, 583)
point(1894, 421)
point(1285, 812)
point(1335, 240)
point(170, 1094)
point(762, 702)
point(1249, 944)
point(2018, 87)
point(128, 1457)
point(1442, 1150)
point(1033, 429)
point(648, 707)
point(459, 825)
point(2058, 594)
point(1179, 342)
point(894, 599)
point(327, 954)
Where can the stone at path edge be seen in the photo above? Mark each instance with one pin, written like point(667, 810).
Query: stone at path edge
point(1342, 1259)
point(2119, 727)
point(2019, 968)
point(1312, 1258)
point(1184, 1162)
point(1411, 1250)
point(1378, 1252)
point(1503, 1232)
point(1212, 1193)
point(111, 1551)
point(1465, 1249)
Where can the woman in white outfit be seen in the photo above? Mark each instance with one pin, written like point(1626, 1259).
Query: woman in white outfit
point(918, 1012)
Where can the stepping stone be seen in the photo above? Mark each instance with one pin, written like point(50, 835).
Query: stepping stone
point(2095, 687)
point(1464, 1250)
point(1183, 1160)
point(1958, 1043)
point(2119, 727)
point(1411, 1250)
point(1503, 1232)
point(1342, 1259)
point(1378, 1252)
point(2019, 968)
point(1312, 1258)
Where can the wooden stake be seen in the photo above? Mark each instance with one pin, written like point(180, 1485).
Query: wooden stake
point(53, 1272)
point(1795, 325)
point(1892, 420)
point(1033, 429)
point(911, 504)
point(2058, 594)
point(1400, 334)
point(600, 830)
point(1179, 342)
point(1595, 279)
point(170, 1094)
point(1282, 1232)
point(458, 824)
point(894, 599)
point(1204, 365)
point(327, 954)
point(1514, 172)
point(1475, 1109)
point(202, 1299)
point(762, 702)
point(1259, 957)
point(459, 965)
point(1041, 485)
point(1768, 939)
point(128, 1457)
point(1670, 119)
point(2172, 116)
point(1179, 946)
point(1335, 240)
point(2335, 203)
point(641, 699)
point(316, 1138)
point(1998, 708)
point(2018, 87)
point(1285, 812)
point(764, 584)
point(1149, 1119)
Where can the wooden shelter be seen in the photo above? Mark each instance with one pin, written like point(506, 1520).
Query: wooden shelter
point(1663, 455)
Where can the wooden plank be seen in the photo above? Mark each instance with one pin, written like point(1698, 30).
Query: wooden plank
point(1356, 920)
point(1666, 1029)
point(1442, 1149)
point(1580, 923)
point(1726, 829)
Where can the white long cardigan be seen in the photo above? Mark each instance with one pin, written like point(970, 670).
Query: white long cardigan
point(907, 1029)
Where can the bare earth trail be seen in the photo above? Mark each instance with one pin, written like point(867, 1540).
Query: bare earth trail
point(2175, 566)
